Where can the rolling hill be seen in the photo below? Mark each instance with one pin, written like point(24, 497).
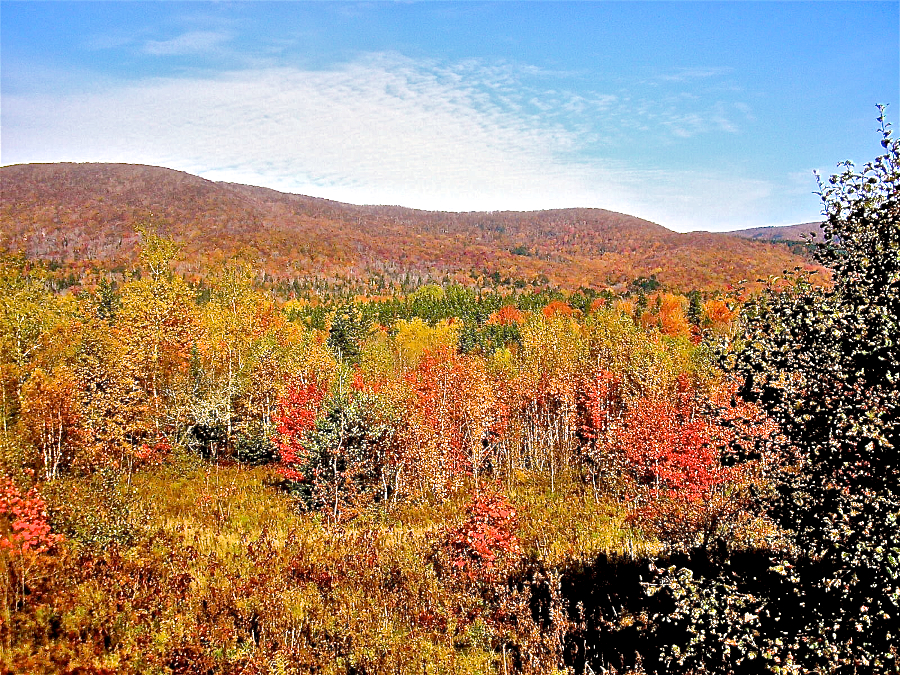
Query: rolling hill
point(82, 217)
point(793, 233)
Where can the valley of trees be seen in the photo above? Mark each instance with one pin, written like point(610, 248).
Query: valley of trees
point(201, 472)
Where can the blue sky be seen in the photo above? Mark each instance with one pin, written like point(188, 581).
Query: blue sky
point(697, 115)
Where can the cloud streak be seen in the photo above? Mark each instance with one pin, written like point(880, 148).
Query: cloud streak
point(691, 74)
point(383, 129)
point(192, 42)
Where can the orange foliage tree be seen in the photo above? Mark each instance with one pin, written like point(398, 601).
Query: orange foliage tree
point(672, 319)
point(505, 316)
point(455, 404)
point(718, 315)
point(50, 417)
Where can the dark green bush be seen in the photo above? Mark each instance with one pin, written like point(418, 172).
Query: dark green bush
point(253, 445)
point(824, 363)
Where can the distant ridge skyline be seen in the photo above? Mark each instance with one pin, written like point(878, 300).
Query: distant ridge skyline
point(756, 233)
point(83, 216)
point(697, 116)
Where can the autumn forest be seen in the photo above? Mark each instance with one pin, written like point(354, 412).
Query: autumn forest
point(247, 432)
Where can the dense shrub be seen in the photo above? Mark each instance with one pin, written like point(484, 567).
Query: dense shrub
point(253, 445)
point(340, 470)
point(823, 363)
point(484, 547)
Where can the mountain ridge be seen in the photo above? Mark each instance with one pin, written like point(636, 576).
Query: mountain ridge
point(792, 233)
point(81, 215)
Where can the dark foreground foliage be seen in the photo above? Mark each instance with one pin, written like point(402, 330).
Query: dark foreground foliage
point(825, 365)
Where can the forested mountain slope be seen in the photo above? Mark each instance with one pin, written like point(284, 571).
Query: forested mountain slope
point(83, 215)
point(783, 233)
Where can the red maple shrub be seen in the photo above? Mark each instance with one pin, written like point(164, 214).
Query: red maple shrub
point(154, 454)
point(24, 527)
point(484, 546)
point(672, 447)
point(24, 536)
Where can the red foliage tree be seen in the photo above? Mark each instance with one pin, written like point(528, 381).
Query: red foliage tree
point(600, 406)
point(600, 403)
point(672, 448)
point(296, 415)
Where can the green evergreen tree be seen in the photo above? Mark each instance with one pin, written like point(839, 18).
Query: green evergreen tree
point(695, 307)
point(348, 329)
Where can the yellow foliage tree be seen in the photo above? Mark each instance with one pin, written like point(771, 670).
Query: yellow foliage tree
point(50, 417)
point(158, 323)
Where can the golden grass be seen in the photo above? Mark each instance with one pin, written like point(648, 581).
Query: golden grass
point(219, 570)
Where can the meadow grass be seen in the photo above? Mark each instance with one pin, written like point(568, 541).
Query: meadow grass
point(193, 566)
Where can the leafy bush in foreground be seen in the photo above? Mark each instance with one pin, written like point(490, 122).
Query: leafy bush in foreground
point(825, 365)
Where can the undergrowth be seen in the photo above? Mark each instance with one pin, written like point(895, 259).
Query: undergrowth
point(200, 567)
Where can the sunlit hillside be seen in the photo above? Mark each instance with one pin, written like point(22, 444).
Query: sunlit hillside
point(83, 215)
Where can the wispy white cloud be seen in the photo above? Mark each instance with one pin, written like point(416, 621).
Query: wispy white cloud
point(192, 42)
point(383, 129)
point(690, 74)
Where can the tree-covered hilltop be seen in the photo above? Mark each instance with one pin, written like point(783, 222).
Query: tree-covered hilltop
point(80, 219)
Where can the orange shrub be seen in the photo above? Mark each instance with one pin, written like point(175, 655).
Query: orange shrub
point(505, 316)
point(557, 308)
point(718, 315)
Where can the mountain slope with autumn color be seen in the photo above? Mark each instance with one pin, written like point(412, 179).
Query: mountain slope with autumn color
point(83, 215)
point(782, 233)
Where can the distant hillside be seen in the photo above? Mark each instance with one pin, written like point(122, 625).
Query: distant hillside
point(784, 233)
point(82, 215)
